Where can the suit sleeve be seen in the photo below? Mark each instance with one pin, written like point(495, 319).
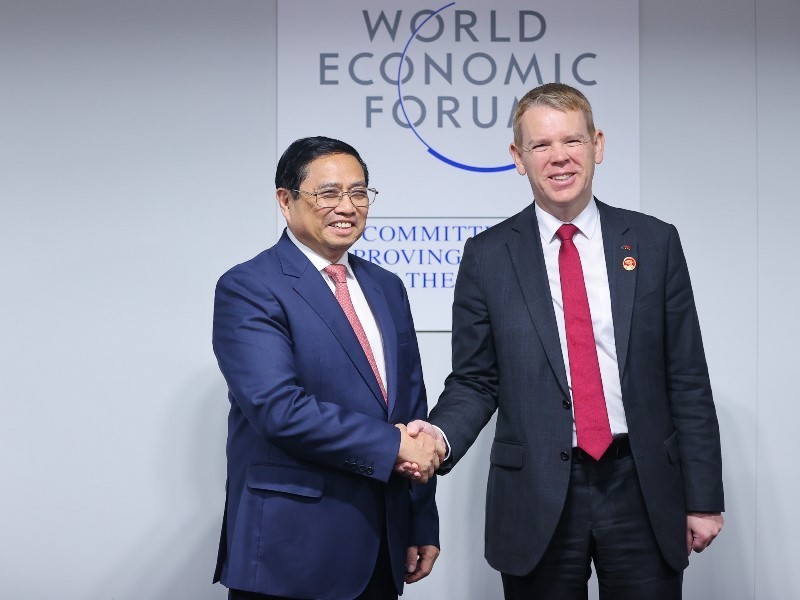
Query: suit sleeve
point(424, 514)
point(253, 345)
point(469, 398)
point(689, 389)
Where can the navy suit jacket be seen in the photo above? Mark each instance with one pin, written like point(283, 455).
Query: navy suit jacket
point(311, 441)
point(507, 358)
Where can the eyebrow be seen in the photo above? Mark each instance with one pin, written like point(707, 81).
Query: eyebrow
point(539, 140)
point(338, 185)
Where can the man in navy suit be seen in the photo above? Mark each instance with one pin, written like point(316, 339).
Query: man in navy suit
point(320, 355)
point(607, 447)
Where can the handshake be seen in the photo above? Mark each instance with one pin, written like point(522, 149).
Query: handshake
point(422, 449)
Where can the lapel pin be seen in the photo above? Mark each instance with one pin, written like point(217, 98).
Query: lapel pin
point(626, 247)
point(629, 263)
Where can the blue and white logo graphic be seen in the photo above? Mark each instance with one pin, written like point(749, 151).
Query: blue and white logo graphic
point(431, 150)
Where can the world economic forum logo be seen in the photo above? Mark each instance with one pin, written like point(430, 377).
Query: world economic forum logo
point(431, 149)
point(456, 82)
point(459, 61)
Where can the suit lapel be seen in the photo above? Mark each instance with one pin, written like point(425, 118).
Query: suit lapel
point(312, 288)
point(525, 250)
point(619, 245)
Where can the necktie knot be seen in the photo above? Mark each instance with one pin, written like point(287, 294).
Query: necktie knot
point(337, 272)
point(566, 232)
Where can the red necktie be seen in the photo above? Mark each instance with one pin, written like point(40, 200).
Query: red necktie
point(589, 403)
point(339, 275)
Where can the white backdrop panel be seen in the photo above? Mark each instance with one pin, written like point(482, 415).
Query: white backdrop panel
point(442, 151)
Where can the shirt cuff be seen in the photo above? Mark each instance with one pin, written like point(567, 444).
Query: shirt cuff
point(446, 443)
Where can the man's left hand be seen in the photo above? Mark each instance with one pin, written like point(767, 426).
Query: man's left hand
point(419, 562)
point(701, 529)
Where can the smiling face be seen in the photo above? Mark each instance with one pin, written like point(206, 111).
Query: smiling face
point(561, 173)
point(327, 231)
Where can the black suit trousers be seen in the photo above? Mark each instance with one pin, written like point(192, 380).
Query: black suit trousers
point(604, 522)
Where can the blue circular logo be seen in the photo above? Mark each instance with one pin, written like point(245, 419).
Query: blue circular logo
point(431, 150)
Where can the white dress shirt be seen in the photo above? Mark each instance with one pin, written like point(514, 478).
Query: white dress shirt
point(360, 303)
point(589, 242)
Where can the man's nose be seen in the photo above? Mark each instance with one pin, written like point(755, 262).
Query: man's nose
point(345, 205)
point(558, 153)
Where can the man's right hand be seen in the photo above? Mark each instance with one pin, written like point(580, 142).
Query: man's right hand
point(419, 456)
point(416, 429)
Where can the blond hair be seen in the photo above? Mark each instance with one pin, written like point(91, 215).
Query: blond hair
point(558, 96)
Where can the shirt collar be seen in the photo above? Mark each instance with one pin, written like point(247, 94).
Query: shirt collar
point(318, 261)
point(586, 222)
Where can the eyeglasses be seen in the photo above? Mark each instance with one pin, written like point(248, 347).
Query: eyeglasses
point(547, 147)
point(330, 198)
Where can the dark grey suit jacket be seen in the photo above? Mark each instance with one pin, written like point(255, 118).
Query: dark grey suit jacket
point(507, 358)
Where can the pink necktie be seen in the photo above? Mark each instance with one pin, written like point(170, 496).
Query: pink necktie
point(589, 403)
point(339, 275)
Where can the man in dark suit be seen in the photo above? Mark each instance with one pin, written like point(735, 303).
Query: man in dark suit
point(607, 445)
point(321, 360)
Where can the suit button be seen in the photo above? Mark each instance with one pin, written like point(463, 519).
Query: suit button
point(566, 404)
point(564, 456)
point(370, 470)
point(362, 469)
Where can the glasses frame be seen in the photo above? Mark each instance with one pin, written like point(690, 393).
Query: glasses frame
point(342, 194)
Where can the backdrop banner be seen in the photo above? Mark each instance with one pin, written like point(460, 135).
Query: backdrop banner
point(426, 93)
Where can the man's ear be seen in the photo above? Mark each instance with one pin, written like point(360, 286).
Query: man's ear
point(599, 146)
point(284, 198)
point(517, 157)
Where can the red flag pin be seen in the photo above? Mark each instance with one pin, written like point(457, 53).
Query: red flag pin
point(629, 263)
point(626, 247)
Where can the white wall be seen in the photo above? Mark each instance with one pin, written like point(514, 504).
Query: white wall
point(776, 523)
point(699, 171)
point(137, 150)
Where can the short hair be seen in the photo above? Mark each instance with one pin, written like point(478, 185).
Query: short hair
point(553, 95)
point(293, 165)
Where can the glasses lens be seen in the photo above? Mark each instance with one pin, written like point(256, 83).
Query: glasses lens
point(328, 198)
point(359, 197)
